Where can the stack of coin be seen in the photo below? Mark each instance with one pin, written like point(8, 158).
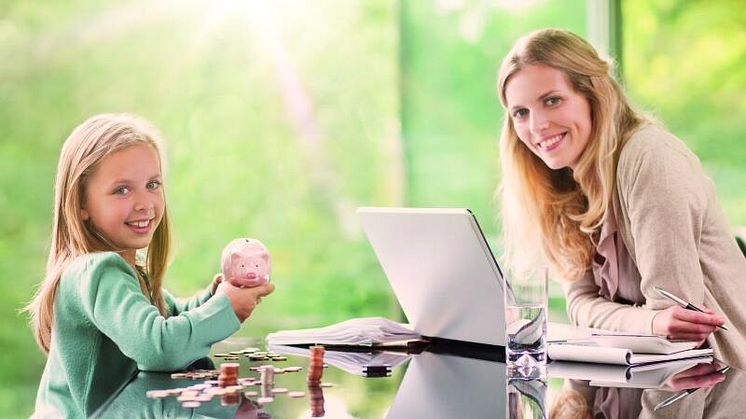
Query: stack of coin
point(316, 364)
point(316, 400)
point(228, 374)
point(267, 375)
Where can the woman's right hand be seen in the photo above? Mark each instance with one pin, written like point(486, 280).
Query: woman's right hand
point(244, 300)
point(677, 322)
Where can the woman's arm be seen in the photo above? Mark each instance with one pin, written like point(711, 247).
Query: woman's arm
point(586, 307)
point(663, 196)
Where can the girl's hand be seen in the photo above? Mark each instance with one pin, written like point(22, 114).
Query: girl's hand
point(677, 322)
point(216, 280)
point(244, 300)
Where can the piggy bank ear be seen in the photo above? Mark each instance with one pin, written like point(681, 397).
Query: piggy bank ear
point(264, 255)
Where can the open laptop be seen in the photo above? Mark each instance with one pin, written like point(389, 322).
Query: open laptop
point(442, 271)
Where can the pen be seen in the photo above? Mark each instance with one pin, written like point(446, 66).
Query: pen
point(686, 305)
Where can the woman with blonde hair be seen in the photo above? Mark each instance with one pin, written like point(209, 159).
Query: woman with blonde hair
point(101, 313)
point(612, 201)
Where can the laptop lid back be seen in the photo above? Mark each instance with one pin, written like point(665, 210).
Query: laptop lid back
point(441, 269)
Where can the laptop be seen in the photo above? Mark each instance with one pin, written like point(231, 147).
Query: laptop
point(441, 270)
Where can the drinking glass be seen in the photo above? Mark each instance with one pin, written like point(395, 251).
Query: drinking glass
point(526, 322)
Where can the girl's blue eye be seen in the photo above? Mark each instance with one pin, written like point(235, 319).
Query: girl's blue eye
point(153, 185)
point(122, 190)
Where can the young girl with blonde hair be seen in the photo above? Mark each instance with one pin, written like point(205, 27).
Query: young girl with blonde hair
point(613, 202)
point(100, 313)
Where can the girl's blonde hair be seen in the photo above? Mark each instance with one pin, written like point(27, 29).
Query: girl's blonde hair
point(562, 209)
point(88, 144)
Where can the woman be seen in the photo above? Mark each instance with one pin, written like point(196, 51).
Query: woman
point(617, 203)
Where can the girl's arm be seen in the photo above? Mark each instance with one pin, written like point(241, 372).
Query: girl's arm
point(113, 302)
point(179, 305)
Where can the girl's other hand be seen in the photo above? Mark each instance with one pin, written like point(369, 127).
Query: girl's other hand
point(677, 322)
point(244, 300)
point(216, 280)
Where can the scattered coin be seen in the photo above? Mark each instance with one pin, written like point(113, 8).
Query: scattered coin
point(296, 394)
point(264, 400)
point(279, 390)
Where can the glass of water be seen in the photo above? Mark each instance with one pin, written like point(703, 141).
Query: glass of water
point(526, 322)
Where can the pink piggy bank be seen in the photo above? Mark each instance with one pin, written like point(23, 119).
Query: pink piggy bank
point(246, 263)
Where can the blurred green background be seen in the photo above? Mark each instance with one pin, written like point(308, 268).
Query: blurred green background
point(282, 117)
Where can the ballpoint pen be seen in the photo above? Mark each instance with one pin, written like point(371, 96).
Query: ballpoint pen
point(680, 395)
point(686, 305)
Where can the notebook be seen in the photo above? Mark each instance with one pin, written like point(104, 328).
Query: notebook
point(441, 270)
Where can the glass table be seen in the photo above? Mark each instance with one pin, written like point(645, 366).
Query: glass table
point(447, 384)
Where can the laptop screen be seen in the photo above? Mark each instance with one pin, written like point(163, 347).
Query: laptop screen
point(441, 270)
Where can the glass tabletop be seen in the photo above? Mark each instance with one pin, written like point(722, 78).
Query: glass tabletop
point(428, 385)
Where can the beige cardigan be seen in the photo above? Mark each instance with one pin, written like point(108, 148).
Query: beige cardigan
point(678, 238)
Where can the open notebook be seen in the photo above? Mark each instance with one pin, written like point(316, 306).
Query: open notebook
point(364, 331)
point(623, 350)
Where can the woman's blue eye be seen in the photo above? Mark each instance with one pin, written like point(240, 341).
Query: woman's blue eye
point(153, 185)
point(553, 100)
point(518, 113)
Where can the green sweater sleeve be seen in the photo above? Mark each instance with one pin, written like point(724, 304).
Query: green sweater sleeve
point(179, 305)
point(113, 302)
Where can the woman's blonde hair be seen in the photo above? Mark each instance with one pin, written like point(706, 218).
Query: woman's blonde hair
point(561, 209)
point(88, 144)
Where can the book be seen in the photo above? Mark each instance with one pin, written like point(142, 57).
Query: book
point(590, 351)
point(371, 363)
point(652, 375)
point(644, 344)
point(364, 332)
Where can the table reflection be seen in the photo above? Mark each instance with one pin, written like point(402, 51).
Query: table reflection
point(438, 385)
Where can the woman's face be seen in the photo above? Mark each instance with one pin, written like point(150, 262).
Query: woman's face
point(550, 118)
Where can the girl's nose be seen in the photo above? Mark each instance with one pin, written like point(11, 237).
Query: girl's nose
point(143, 203)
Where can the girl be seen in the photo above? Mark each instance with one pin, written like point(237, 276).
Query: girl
point(100, 314)
point(614, 202)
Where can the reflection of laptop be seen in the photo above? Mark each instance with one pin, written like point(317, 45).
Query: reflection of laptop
point(442, 271)
point(447, 387)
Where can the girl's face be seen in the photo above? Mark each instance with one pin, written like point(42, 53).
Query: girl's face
point(124, 199)
point(550, 118)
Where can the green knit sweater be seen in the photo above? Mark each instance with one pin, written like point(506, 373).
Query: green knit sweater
point(105, 330)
